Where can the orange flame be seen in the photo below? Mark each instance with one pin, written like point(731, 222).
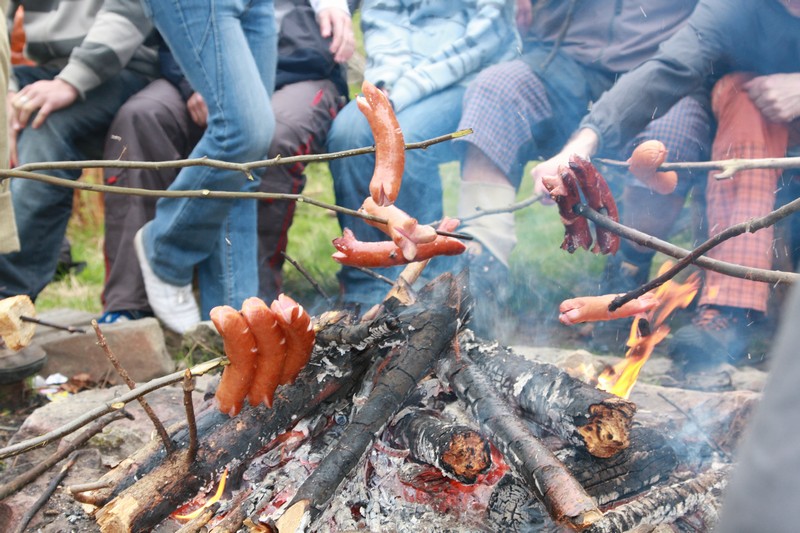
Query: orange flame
point(214, 499)
point(647, 332)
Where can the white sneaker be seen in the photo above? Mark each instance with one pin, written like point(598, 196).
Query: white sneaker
point(174, 306)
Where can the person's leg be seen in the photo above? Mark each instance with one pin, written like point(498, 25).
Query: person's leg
point(421, 192)
point(728, 304)
point(160, 111)
point(186, 232)
point(303, 115)
point(42, 211)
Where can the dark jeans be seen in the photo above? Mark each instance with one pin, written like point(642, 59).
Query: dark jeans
point(41, 210)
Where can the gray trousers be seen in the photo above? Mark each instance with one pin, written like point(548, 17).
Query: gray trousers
point(154, 125)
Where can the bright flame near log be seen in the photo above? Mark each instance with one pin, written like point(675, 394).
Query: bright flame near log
point(646, 333)
point(214, 499)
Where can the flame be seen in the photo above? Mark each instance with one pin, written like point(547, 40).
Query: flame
point(647, 331)
point(214, 499)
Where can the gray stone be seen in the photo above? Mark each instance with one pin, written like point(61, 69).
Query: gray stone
point(138, 345)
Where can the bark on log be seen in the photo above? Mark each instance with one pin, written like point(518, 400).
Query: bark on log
point(227, 442)
point(664, 505)
point(429, 331)
point(577, 413)
point(458, 451)
point(563, 497)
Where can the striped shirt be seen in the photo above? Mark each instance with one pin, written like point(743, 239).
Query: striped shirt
point(418, 47)
point(89, 40)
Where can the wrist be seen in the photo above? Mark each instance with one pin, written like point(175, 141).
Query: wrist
point(584, 143)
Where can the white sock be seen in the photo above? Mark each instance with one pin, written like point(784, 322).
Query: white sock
point(495, 232)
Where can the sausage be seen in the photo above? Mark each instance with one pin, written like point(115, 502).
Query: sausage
point(299, 333)
point(271, 344)
point(390, 155)
point(352, 252)
point(404, 230)
point(598, 197)
point(563, 188)
point(644, 163)
point(240, 348)
point(595, 308)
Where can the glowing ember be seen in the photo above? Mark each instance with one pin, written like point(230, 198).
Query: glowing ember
point(214, 499)
point(646, 333)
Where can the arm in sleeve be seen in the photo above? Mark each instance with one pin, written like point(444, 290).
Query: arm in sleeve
point(385, 27)
point(683, 63)
point(491, 27)
point(119, 29)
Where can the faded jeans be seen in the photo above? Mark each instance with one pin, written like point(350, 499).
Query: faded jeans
point(227, 49)
point(421, 193)
point(42, 210)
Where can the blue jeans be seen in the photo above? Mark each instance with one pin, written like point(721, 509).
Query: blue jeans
point(421, 192)
point(228, 51)
point(42, 211)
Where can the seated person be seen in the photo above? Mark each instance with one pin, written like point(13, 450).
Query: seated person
point(310, 89)
point(85, 69)
point(757, 104)
point(527, 108)
point(422, 57)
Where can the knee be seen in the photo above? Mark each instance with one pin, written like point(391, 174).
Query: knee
point(249, 134)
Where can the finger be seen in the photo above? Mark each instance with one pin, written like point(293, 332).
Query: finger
point(24, 114)
point(325, 25)
point(13, 160)
point(42, 115)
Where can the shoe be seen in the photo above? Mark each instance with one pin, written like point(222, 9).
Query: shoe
point(111, 317)
point(489, 287)
point(174, 306)
point(716, 335)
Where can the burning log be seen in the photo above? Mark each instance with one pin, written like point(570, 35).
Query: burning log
point(567, 407)
point(224, 441)
point(429, 332)
point(564, 498)
point(664, 505)
point(457, 450)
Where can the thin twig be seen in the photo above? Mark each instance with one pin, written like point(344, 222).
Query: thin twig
point(47, 493)
point(188, 387)
point(71, 329)
point(723, 267)
point(508, 209)
point(40, 468)
point(162, 432)
point(749, 226)
point(306, 274)
point(729, 167)
point(86, 487)
point(713, 443)
point(110, 406)
point(370, 272)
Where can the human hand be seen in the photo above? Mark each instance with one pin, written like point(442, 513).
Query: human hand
point(13, 128)
point(776, 95)
point(584, 144)
point(45, 96)
point(524, 15)
point(198, 109)
point(335, 23)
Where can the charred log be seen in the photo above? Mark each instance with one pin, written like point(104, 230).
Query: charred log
point(663, 505)
point(564, 498)
point(458, 451)
point(577, 413)
point(428, 332)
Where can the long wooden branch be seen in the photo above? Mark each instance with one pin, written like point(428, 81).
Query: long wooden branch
point(729, 167)
point(564, 498)
point(723, 267)
point(110, 406)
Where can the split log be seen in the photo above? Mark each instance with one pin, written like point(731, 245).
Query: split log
point(577, 413)
point(228, 442)
point(552, 484)
point(429, 331)
point(458, 451)
point(664, 505)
